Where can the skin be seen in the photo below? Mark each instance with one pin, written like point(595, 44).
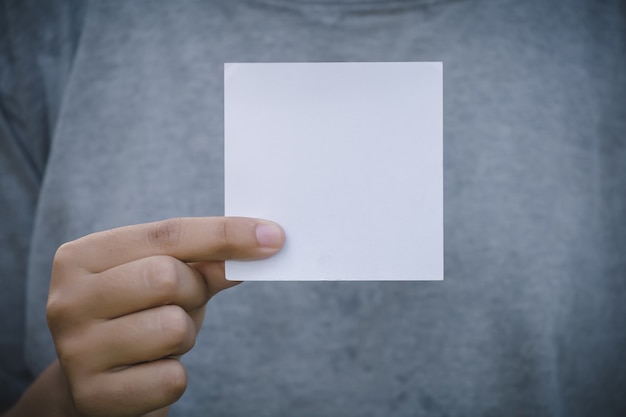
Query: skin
point(124, 304)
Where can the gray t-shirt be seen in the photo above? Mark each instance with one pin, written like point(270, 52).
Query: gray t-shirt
point(112, 114)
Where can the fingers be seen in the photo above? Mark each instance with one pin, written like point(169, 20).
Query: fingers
point(139, 285)
point(144, 336)
point(143, 284)
point(214, 275)
point(119, 366)
point(132, 391)
point(188, 239)
point(123, 301)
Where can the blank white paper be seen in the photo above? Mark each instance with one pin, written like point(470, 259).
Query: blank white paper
point(347, 158)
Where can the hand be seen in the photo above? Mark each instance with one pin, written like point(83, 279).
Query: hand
point(125, 303)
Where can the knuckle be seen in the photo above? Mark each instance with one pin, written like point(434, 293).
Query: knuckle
point(176, 326)
point(161, 276)
point(225, 238)
point(57, 308)
point(71, 356)
point(165, 234)
point(67, 357)
point(65, 254)
point(174, 380)
point(62, 298)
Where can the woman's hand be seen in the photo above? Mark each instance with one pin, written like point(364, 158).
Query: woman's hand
point(124, 304)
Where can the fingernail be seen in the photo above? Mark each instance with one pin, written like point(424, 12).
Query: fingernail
point(269, 235)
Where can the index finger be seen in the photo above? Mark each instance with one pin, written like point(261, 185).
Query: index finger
point(190, 239)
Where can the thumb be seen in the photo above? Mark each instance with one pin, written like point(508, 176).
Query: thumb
point(214, 276)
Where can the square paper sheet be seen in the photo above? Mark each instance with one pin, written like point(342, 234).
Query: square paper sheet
point(348, 158)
